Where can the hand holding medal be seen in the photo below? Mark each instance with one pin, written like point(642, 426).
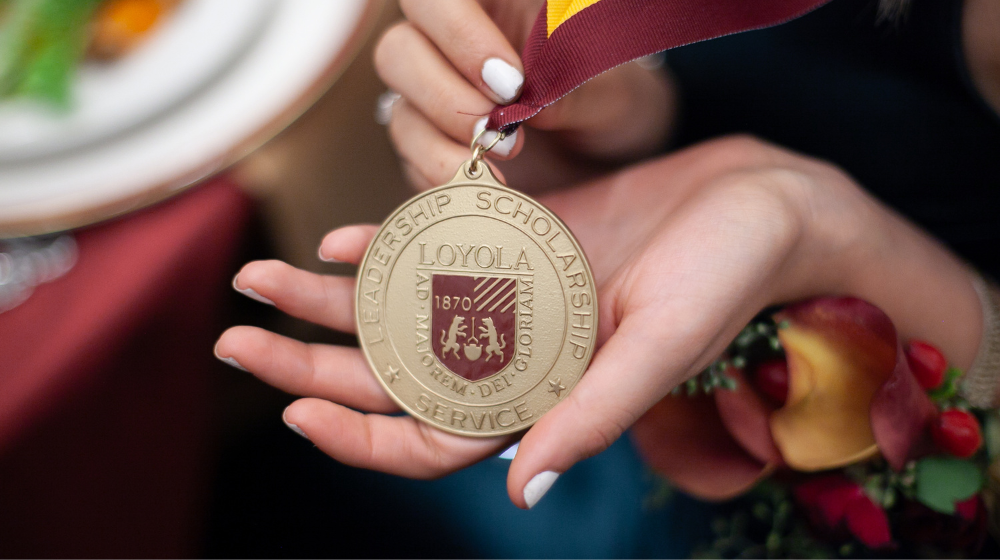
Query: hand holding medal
point(694, 204)
point(652, 232)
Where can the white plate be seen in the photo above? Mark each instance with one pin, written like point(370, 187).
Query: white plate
point(172, 114)
point(185, 53)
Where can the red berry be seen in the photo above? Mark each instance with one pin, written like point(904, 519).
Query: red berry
point(771, 379)
point(927, 363)
point(957, 432)
point(968, 509)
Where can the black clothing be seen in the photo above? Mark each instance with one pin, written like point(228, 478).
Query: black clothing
point(891, 104)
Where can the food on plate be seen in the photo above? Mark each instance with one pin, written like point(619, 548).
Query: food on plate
point(120, 25)
point(43, 41)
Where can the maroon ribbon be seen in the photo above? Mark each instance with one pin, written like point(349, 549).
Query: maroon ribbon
point(613, 32)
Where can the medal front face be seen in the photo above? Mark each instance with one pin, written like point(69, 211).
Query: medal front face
point(476, 307)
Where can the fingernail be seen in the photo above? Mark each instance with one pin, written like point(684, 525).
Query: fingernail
point(231, 361)
point(538, 486)
point(502, 78)
point(250, 293)
point(383, 107)
point(293, 427)
point(511, 452)
point(502, 147)
point(324, 258)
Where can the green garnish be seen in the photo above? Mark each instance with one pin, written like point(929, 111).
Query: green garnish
point(41, 44)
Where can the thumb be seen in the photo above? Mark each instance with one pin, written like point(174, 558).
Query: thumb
point(623, 381)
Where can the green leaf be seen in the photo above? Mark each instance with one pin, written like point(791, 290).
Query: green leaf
point(949, 387)
point(942, 481)
point(41, 43)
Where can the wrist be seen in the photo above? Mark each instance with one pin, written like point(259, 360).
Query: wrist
point(834, 238)
point(926, 290)
point(853, 245)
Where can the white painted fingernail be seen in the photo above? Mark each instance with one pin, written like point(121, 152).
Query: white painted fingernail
point(250, 293)
point(231, 361)
point(511, 452)
point(538, 486)
point(383, 107)
point(293, 427)
point(502, 147)
point(502, 78)
point(327, 259)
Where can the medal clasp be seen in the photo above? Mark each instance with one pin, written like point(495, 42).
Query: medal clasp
point(478, 150)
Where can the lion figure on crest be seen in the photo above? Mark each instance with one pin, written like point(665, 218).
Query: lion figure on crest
point(456, 329)
point(495, 347)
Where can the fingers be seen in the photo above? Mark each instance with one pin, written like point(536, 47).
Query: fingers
point(411, 65)
point(328, 372)
point(598, 410)
point(444, 99)
point(473, 44)
point(324, 300)
point(429, 154)
point(676, 304)
point(347, 244)
point(423, 146)
point(398, 445)
point(415, 178)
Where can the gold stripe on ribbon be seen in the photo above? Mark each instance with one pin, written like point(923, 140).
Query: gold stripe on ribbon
point(561, 10)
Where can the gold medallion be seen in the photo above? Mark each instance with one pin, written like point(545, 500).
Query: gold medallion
point(476, 307)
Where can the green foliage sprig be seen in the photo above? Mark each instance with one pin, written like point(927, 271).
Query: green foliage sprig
point(758, 341)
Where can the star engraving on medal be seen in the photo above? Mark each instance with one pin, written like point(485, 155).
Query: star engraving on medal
point(392, 375)
point(555, 386)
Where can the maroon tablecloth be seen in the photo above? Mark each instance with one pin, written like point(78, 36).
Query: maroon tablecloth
point(106, 383)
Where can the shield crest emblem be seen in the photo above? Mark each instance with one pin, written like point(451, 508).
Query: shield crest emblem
point(473, 323)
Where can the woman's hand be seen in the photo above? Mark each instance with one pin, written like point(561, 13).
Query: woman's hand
point(685, 250)
point(452, 61)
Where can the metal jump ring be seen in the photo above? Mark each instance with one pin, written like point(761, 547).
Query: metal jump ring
point(496, 139)
point(478, 150)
